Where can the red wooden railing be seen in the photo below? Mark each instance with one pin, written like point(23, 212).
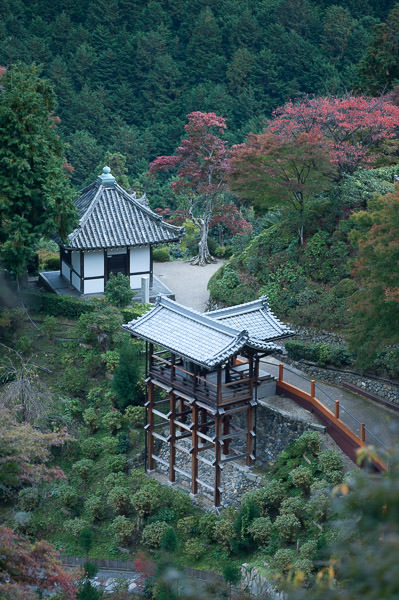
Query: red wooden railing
point(346, 439)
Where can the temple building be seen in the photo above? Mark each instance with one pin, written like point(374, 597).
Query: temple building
point(203, 382)
point(116, 234)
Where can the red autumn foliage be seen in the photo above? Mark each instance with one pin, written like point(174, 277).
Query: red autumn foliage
point(145, 568)
point(201, 162)
point(230, 217)
point(349, 125)
point(26, 568)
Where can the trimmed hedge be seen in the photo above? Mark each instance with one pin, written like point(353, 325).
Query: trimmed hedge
point(57, 304)
point(319, 352)
point(67, 306)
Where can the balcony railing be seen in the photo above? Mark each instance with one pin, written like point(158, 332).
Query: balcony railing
point(238, 387)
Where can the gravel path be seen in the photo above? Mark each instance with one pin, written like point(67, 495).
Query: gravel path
point(187, 282)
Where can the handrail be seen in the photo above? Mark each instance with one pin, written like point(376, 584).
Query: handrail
point(332, 417)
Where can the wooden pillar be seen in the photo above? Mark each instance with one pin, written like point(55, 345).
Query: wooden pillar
point(218, 471)
point(194, 450)
point(172, 368)
point(172, 437)
point(363, 432)
point(203, 428)
point(250, 439)
point(336, 409)
point(150, 426)
point(219, 385)
point(313, 388)
point(280, 372)
point(150, 359)
point(226, 431)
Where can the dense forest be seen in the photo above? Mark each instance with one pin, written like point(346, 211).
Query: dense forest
point(127, 73)
point(269, 128)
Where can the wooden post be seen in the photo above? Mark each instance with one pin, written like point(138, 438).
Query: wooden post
point(194, 450)
point(219, 385)
point(363, 432)
point(250, 440)
point(172, 368)
point(204, 417)
point(150, 360)
point(226, 431)
point(280, 372)
point(172, 432)
point(218, 429)
point(150, 421)
point(313, 388)
point(336, 409)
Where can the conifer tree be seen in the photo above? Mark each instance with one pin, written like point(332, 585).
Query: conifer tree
point(127, 374)
point(35, 198)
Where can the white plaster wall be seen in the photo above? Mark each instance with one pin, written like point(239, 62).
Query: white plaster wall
point(76, 281)
point(76, 261)
point(93, 286)
point(94, 264)
point(139, 260)
point(65, 270)
point(135, 282)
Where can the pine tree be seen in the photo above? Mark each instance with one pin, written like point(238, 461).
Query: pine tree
point(127, 374)
point(35, 199)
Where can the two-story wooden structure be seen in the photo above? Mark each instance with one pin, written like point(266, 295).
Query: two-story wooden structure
point(116, 233)
point(208, 368)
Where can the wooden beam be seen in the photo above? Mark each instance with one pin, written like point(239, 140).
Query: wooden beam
point(250, 436)
point(172, 437)
point(218, 432)
point(226, 431)
point(150, 422)
point(194, 454)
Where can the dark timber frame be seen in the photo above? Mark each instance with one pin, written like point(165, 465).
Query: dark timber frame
point(198, 405)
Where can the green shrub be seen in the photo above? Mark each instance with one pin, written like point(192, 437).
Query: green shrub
point(83, 468)
point(224, 534)
point(49, 326)
point(309, 443)
point(115, 479)
point(119, 499)
point(111, 359)
point(269, 497)
point(122, 529)
point(308, 549)
point(123, 442)
point(57, 304)
point(126, 378)
point(187, 526)
point(116, 463)
point(288, 526)
point(261, 530)
point(302, 477)
point(28, 498)
point(109, 445)
point(134, 416)
point(161, 254)
point(118, 291)
point(153, 533)
point(52, 263)
point(206, 525)
point(91, 448)
point(332, 465)
point(135, 311)
point(112, 421)
point(94, 506)
point(147, 499)
point(91, 418)
point(283, 560)
point(320, 353)
point(67, 495)
point(194, 549)
point(294, 505)
point(179, 502)
point(344, 288)
point(169, 540)
point(75, 526)
point(248, 511)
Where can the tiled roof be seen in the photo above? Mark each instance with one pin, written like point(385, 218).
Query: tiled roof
point(256, 317)
point(188, 333)
point(112, 218)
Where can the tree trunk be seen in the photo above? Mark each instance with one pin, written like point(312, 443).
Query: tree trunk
point(204, 256)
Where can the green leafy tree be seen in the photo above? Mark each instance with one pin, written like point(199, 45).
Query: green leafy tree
point(126, 375)
point(274, 171)
point(118, 291)
point(375, 307)
point(36, 198)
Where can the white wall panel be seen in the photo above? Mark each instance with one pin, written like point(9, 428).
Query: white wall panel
point(140, 259)
point(65, 270)
point(135, 282)
point(94, 264)
point(76, 261)
point(93, 286)
point(76, 281)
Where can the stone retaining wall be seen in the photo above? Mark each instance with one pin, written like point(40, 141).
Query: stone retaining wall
point(382, 389)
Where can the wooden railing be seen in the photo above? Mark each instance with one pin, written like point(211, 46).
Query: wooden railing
point(214, 392)
point(346, 439)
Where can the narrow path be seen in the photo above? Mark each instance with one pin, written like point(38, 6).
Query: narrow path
point(380, 421)
point(187, 282)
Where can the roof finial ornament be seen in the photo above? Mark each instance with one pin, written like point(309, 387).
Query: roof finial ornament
point(106, 176)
